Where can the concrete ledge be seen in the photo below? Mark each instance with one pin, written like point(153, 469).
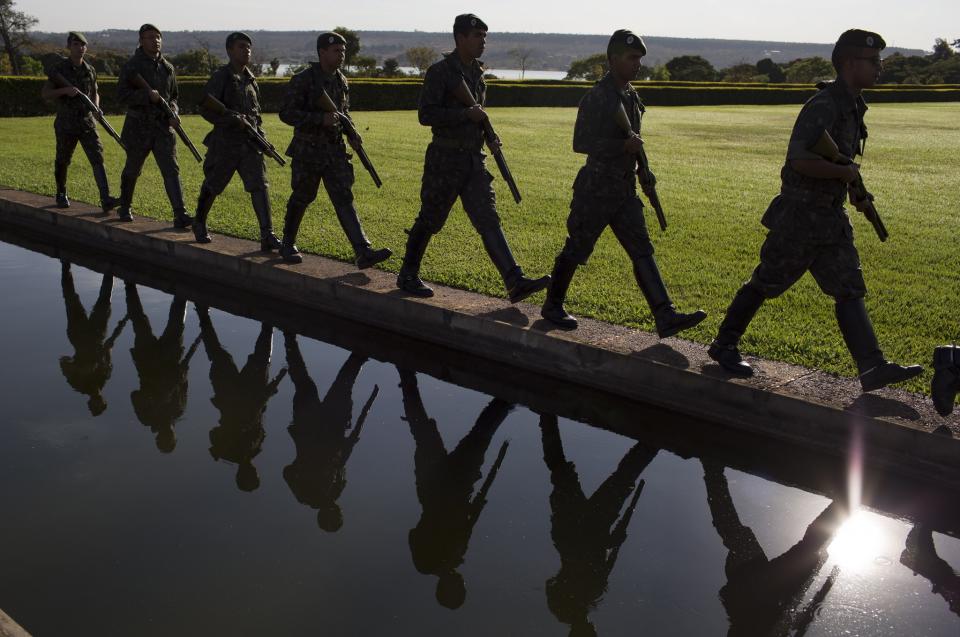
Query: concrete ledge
point(10, 628)
point(788, 403)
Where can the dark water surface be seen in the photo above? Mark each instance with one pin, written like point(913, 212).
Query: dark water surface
point(169, 468)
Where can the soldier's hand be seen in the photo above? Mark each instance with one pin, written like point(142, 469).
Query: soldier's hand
point(154, 97)
point(497, 141)
point(355, 142)
point(70, 91)
point(633, 145)
point(238, 120)
point(862, 202)
point(648, 179)
point(476, 114)
point(851, 173)
point(330, 119)
point(174, 121)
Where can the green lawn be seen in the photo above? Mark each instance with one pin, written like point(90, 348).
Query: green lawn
point(718, 168)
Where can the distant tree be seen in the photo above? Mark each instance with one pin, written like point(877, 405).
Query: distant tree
point(659, 73)
point(521, 55)
point(421, 57)
point(353, 43)
point(809, 70)
point(14, 31)
point(904, 69)
point(391, 68)
point(293, 69)
point(364, 66)
point(107, 62)
point(942, 50)
point(197, 62)
point(274, 66)
point(740, 73)
point(691, 68)
point(590, 68)
point(772, 70)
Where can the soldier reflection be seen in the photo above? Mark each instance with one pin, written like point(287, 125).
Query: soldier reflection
point(241, 395)
point(445, 488)
point(324, 435)
point(162, 367)
point(762, 595)
point(921, 557)
point(89, 369)
point(587, 532)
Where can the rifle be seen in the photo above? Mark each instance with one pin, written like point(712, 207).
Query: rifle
point(827, 148)
point(327, 106)
point(648, 183)
point(462, 93)
point(259, 141)
point(61, 82)
point(137, 80)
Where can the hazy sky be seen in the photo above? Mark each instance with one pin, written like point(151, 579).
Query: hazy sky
point(902, 23)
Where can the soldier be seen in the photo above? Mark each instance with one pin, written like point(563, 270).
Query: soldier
point(605, 191)
point(808, 226)
point(454, 165)
point(319, 153)
point(146, 128)
point(229, 149)
point(74, 122)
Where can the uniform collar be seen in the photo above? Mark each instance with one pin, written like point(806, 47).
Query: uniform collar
point(141, 54)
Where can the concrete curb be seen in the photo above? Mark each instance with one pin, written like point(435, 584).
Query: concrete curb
point(785, 402)
point(10, 628)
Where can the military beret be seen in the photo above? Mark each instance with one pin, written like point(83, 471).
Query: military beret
point(149, 27)
point(76, 35)
point(861, 38)
point(328, 39)
point(238, 35)
point(624, 39)
point(464, 22)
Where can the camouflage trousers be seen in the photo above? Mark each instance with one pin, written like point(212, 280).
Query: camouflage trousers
point(142, 138)
point(336, 173)
point(589, 217)
point(89, 140)
point(223, 160)
point(452, 173)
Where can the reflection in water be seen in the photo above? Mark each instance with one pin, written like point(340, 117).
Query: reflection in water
point(162, 367)
point(322, 433)
point(88, 370)
point(921, 557)
point(762, 595)
point(445, 484)
point(241, 396)
point(587, 532)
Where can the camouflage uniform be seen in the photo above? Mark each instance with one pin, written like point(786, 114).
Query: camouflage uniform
point(146, 129)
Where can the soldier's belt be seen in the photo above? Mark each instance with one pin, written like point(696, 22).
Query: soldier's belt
point(811, 197)
point(451, 143)
point(320, 140)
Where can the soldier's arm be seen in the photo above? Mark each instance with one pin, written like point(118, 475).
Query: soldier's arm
point(95, 97)
point(294, 110)
point(129, 94)
point(594, 127)
point(431, 110)
point(174, 99)
point(815, 117)
point(214, 87)
point(50, 92)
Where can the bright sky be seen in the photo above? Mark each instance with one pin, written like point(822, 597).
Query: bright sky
point(907, 24)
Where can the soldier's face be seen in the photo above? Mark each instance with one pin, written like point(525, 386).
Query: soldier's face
point(473, 43)
point(333, 56)
point(864, 68)
point(240, 52)
point(626, 66)
point(77, 50)
point(150, 42)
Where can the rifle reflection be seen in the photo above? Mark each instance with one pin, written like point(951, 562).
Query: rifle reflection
point(445, 481)
point(90, 367)
point(162, 368)
point(920, 556)
point(241, 396)
point(323, 433)
point(587, 532)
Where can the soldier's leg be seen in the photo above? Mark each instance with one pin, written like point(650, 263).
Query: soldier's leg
point(218, 169)
point(94, 151)
point(338, 181)
point(136, 155)
point(253, 172)
point(165, 154)
point(946, 378)
point(836, 269)
point(630, 229)
point(305, 182)
point(479, 201)
point(66, 143)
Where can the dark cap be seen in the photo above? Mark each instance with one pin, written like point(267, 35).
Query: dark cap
point(238, 35)
point(465, 22)
point(328, 39)
point(623, 40)
point(148, 27)
point(861, 38)
point(76, 35)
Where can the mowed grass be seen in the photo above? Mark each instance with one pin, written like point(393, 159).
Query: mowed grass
point(718, 168)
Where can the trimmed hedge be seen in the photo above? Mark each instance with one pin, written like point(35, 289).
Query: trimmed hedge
point(20, 96)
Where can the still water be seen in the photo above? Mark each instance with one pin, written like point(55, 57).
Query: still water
point(169, 468)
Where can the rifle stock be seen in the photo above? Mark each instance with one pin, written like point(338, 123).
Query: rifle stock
point(61, 82)
point(327, 106)
point(138, 81)
point(462, 93)
point(647, 183)
point(258, 140)
point(827, 148)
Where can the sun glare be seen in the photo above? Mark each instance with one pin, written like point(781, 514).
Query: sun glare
point(858, 542)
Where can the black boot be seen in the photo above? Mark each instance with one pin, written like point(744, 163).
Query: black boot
point(107, 202)
point(60, 177)
point(409, 280)
point(291, 224)
point(261, 207)
point(724, 348)
point(204, 204)
point(875, 370)
point(518, 286)
point(365, 255)
point(946, 378)
point(175, 194)
point(668, 320)
point(127, 186)
point(560, 278)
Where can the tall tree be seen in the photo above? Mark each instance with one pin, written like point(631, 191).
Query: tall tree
point(942, 50)
point(353, 43)
point(691, 68)
point(421, 57)
point(14, 31)
point(521, 55)
point(590, 68)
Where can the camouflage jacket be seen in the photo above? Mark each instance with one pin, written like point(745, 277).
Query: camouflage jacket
point(72, 112)
point(312, 141)
point(444, 113)
point(834, 110)
point(240, 94)
point(160, 75)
